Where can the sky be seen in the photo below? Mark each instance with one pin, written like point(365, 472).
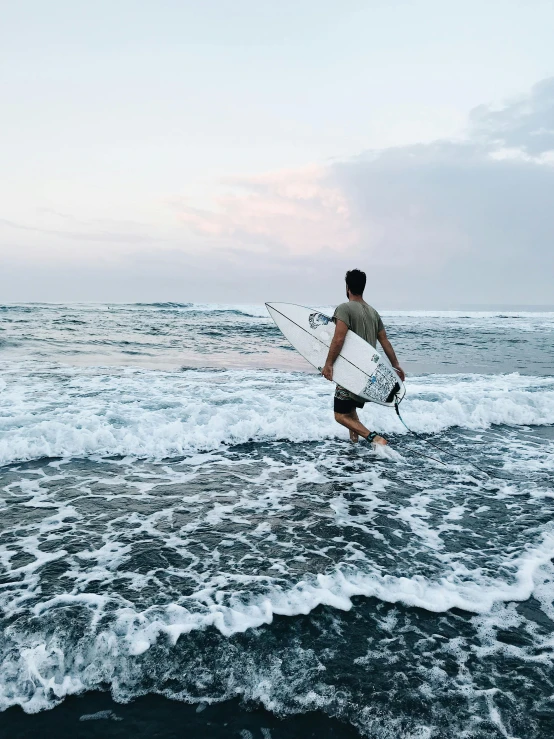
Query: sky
point(247, 150)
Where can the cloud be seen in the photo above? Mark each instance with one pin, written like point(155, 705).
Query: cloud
point(298, 212)
point(86, 234)
point(468, 220)
point(434, 225)
point(525, 124)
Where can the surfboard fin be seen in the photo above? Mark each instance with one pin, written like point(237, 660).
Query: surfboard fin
point(392, 393)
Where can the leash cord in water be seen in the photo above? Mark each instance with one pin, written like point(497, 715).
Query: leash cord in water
point(444, 451)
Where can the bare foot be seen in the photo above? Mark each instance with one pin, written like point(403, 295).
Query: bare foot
point(354, 437)
point(379, 440)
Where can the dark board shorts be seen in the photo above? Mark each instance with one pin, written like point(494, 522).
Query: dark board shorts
point(344, 403)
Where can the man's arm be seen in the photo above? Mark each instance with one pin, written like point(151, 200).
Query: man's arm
point(335, 349)
point(389, 351)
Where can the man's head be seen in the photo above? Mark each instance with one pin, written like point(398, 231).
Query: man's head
point(355, 282)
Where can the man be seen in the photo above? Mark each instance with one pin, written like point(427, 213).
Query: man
point(364, 320)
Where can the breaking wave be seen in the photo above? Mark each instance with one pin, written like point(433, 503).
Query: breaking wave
point(153, 414)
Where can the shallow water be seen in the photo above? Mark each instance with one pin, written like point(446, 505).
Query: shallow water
point(181, 516)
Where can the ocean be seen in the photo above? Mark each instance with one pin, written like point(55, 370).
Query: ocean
point(191, 547)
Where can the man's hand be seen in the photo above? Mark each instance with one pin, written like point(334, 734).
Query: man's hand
point(335, 349)
point(389, 351)
point(400, 372)
point(327, 372)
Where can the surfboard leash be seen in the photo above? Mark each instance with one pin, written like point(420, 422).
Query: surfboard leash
point(446, 451)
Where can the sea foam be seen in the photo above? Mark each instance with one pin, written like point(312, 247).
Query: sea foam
point(70, 412)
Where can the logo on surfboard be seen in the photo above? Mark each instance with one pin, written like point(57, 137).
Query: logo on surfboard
point(318, 319)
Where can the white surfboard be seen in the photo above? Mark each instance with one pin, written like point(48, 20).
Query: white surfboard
point(358, 368)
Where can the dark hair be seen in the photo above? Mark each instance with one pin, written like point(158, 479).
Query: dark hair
point(355, 281)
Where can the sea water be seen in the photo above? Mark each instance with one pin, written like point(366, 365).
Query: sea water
point(180, 516)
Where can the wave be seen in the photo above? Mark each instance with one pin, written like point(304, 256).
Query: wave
point(469, 313)
point(84, 642)
point(168, 304)
point(70, 412)
point(254, 311)
point(471, 592)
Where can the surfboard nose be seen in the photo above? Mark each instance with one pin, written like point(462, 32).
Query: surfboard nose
point(273, 307)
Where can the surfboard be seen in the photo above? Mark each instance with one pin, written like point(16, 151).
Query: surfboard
point(358, 368)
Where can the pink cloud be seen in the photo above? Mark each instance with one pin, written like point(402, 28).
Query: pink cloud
point(298, 211)
point(370, 207)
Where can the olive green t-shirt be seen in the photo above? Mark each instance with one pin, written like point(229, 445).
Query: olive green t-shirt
point(360, 318)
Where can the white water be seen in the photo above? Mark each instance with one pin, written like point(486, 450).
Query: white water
point(68, 412)
point(161, 527)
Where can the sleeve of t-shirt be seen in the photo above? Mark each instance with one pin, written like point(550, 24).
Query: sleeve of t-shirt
point(380, 324)
point(342, 313)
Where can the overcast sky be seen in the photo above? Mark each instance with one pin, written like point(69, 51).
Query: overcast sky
point(250, 150)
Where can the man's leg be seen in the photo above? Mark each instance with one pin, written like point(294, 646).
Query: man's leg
point(355, 426)
point(354, 435)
